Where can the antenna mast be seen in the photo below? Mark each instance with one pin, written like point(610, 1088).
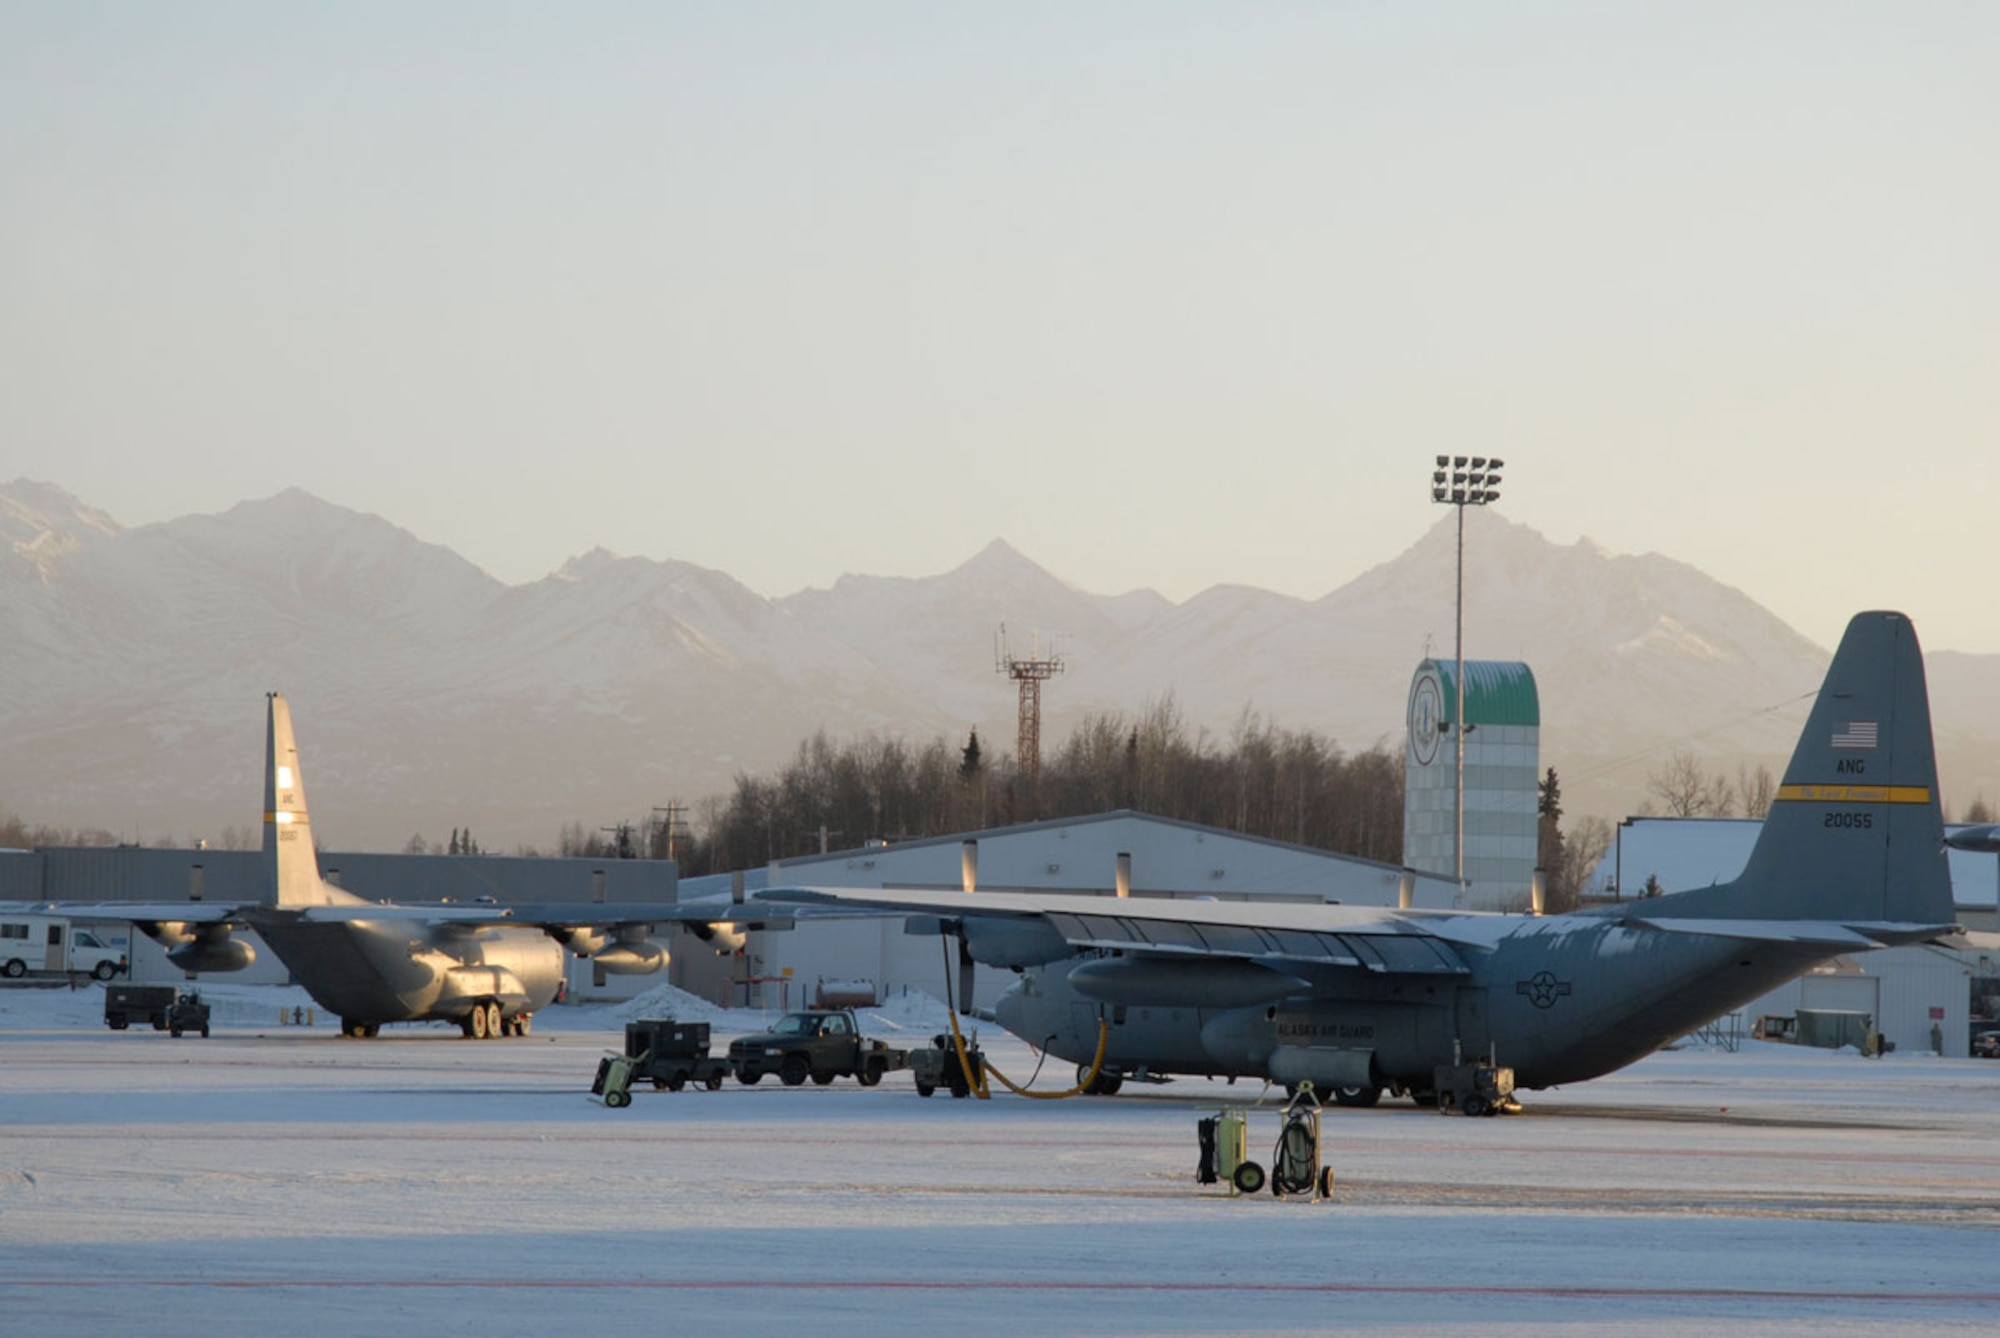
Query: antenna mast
point(1030, 674)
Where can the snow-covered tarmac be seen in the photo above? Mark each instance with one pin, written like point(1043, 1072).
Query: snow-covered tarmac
point(276, 1179)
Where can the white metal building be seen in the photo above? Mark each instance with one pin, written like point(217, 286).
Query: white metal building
point(1158, 857)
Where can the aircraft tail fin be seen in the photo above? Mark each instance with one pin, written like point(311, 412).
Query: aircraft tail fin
point(1855, 833)
point(291, 864)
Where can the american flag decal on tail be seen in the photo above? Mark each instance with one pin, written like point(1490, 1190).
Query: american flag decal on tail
point(1855, 734)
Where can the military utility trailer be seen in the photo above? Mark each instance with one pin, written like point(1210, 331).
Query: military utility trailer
point(937, 1065)
point(672, 1054)
point(163, 1007)
point(1476, 1089)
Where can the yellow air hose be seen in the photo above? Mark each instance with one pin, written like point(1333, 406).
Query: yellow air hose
point(976, 1081)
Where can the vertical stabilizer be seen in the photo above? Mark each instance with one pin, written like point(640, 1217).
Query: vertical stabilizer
point(291, 865)
point(1855, 833)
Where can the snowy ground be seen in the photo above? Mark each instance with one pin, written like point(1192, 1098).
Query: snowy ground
point(278, 1178)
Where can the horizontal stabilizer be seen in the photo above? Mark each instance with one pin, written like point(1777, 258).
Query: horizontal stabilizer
point(1814, 933)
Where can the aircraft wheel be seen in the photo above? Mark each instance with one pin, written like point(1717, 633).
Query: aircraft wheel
point(1248, 1177)
point(15, 968)
point(104, 970)
point(475, 1023)
point(1106, 1083)
point(524, 1024)
point(1356, 1096)
point(794, 1070)
point(496, 1022)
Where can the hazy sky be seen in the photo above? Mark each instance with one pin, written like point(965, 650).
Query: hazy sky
point(1165, 294)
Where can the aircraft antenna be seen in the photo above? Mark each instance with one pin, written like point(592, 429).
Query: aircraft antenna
point(1029, 673)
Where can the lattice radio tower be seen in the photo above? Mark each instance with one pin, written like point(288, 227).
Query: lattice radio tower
point(1030, 673)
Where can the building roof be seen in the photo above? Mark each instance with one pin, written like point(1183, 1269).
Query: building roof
point(1497, 692)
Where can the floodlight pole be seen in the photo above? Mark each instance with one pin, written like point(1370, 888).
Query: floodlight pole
point(1460, 482)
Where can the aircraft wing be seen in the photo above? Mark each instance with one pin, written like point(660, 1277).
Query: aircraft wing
point(1373, 938)
point(187, 912)
point(561, 915)
point(555, 914)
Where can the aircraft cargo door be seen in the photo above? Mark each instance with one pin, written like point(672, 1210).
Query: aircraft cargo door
point(1474, 1036)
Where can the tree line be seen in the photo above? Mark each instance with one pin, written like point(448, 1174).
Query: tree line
point(1260, 780)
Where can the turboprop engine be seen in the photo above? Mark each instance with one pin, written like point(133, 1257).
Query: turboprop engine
point(727, 939)
point(200, 947)
point(625, 951)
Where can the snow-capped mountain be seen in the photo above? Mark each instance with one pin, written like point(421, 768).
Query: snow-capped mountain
point(430, 696)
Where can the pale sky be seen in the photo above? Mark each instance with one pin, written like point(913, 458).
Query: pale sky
point(1166, 295)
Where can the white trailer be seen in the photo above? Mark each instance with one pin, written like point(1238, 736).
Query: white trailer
point(51, 945)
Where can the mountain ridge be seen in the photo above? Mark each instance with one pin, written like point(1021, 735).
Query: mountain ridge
point(432, 696)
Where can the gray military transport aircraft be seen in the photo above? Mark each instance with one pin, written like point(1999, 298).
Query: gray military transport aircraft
point(487, 967)
point(1359, 999)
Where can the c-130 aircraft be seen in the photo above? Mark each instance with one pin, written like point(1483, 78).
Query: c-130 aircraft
point(1360, 1000)
point(487, 967)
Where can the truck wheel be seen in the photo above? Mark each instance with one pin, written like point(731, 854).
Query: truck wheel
point(1356, 1096)
point(925, 1088)
point(15, 968)
point(119, 1023)
point(821, 1079)
point(677, 1080)
point(1476, 1106)
point(715, 1081)
point(174, 1032)
point(749, 1077)
point(104, 970)
point(204, 1031)
point(869, 1076)
point(794, 1070)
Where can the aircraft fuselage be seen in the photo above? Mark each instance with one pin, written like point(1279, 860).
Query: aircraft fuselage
point(1558, 1000)
point(380, 971)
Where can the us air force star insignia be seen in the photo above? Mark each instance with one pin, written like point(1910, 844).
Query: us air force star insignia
point(1542, 989)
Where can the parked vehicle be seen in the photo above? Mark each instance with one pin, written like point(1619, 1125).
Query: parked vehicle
point(821, 1044)
point(672, 1054)
point(163, 1007)
point(937, 1065)
point(51, 945)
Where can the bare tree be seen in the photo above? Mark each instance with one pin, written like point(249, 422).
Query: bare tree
point(1684, 790)
point(1756, 790)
